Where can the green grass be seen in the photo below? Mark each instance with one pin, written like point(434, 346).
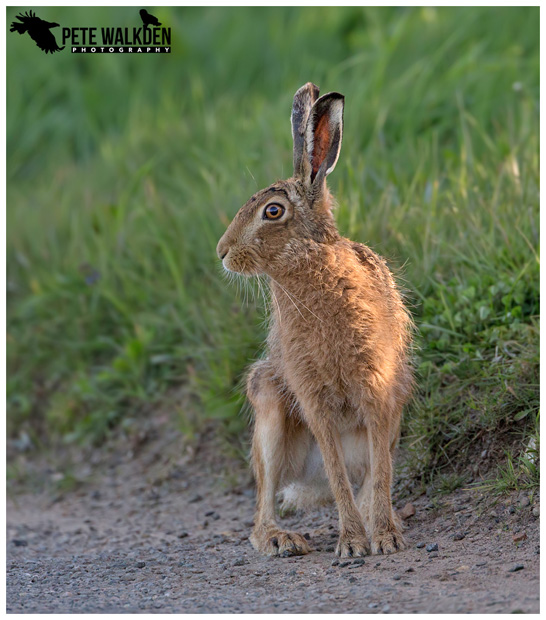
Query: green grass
point(517, 472)
point(123, 172)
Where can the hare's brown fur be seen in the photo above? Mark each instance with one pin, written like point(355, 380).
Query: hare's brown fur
point(328, 397)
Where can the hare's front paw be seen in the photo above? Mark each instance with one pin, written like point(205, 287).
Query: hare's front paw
point(388, 541)
point(279, 543)
point(353, 545)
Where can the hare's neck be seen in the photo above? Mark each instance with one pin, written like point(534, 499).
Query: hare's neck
point(304, 276)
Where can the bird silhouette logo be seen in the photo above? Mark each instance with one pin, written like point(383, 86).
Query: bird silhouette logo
point(38, 30)
point(148, 20)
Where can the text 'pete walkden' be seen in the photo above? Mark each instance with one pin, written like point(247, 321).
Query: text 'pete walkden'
point(115, 39)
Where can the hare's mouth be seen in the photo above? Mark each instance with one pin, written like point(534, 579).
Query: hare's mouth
point(229, 267)
point(241, 270)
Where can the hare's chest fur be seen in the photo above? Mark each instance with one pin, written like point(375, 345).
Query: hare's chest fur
point(332, 333)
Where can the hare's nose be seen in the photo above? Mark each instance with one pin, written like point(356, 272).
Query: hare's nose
point(222, 249)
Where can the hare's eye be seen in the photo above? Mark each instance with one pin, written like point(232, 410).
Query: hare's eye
point(273, 212)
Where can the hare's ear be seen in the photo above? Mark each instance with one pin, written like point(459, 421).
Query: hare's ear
point(303, 102)
point(323, 137)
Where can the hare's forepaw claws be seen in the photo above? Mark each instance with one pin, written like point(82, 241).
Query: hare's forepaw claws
point(281, 544)
point(387, 542)
point(352, 546)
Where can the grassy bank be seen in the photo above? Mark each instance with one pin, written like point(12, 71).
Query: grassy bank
point(123, 172)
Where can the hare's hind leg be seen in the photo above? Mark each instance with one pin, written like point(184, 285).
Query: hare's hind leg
point(274, 450)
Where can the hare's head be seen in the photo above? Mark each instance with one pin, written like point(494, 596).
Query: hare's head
point(277, 218)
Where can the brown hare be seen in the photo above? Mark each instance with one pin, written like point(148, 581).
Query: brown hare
point(328, 396)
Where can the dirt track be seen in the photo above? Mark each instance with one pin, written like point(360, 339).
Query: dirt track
point(152, 533)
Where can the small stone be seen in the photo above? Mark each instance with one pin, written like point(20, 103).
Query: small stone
point(248, 523)
point(292, 573)
point(524, 501)
point(19, 542)
point(536, 511)
point(335, 562)
point(183, 535)
point(240, 562)
point(511, 510)
point(458, 536)
point(352, 579)
point(330, 549)
point(344, 564)
point(307, 536)
point(373, 605)
point(410, 570)
point(434, 554)
point(216, 516)
point(493, 514)
point(481, 563)
point(385, 609)
point(209, 513)
point(516, 568)
point(397, 577)
point(359, 562)
point(420, 545)
point(407, 512)
point(432, 547)
point(141, 564)
point(195, 498)
point(219, 539)
point(519, 537)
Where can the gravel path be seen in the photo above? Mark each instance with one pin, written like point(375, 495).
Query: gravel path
point(153, 534)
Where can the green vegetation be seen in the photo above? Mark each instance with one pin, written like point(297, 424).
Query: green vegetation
point(123, 172)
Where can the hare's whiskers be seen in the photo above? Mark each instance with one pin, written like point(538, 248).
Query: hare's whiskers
point(278, 307)
point(293, 303)
point(291, 295)
point(245, 289)
point(250, 173)
point(262, 293)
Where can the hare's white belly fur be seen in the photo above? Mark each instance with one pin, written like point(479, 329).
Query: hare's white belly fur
point(305, 483)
